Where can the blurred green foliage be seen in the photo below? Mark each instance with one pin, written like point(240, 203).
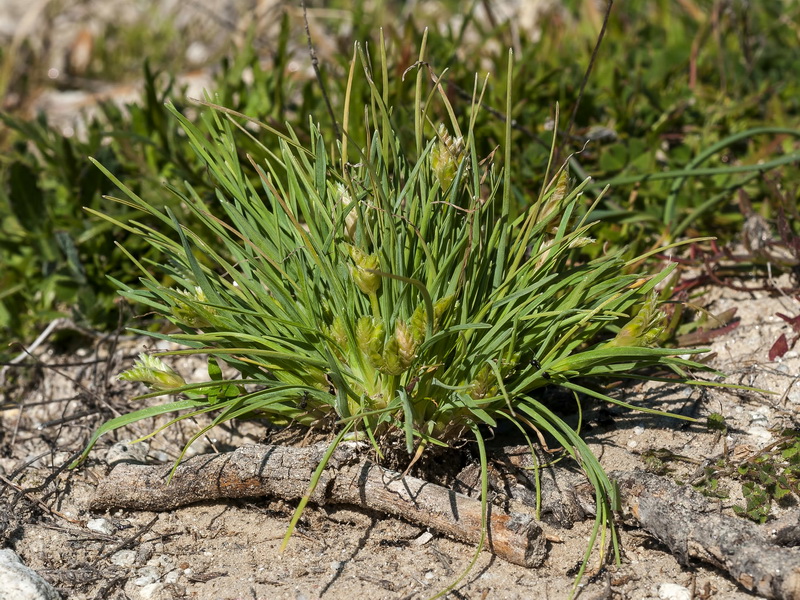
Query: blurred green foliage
point(55, 257)
point(670, 81)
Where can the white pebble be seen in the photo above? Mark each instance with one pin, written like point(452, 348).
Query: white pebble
point(673, 591)
point(761, 436)
point(103, 526)
point(423, 539)
point(794, 395)
point(173, 576)
point(146, 576)
point(18, 582)
point(759, 418)
point(127, 452)
point(150, 590)
point(197, 53)
point(124, 558)
point(160, 456)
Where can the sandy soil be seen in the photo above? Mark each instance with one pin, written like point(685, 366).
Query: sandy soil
point(229, 549)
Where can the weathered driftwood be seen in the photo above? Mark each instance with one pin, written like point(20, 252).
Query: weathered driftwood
point(285, 472)
point(683, 521)
point(785, 530)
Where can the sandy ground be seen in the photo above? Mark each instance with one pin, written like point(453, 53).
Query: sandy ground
point(227, 550)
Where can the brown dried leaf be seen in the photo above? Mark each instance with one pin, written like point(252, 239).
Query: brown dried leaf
point(779, 348)
point(793, 321)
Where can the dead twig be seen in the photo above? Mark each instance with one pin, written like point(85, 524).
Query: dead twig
point(315, 64)
point(684, 521)
point(285, 472)
point(127, 542)
point(588, 72)
point(39, 502)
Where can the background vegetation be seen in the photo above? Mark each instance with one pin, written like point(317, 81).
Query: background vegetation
point(693, 88)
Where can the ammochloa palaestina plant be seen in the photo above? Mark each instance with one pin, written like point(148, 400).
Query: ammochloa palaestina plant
point(389, 287)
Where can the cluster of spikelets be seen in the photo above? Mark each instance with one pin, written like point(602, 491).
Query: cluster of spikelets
point(397, 293)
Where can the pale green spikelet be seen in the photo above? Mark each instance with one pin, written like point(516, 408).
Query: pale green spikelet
point(552, 203)
point(391, 363)
point(446, 156)
point(370, 334)
point(190, 312)
point(339, 336)
point(440, 307)
point(367, 281)
point(580, 242)
point(154, 372)
point(351, 220)
point(406, 344)
point(644, 329)
point(400, 351)
point(417, 324)
point(484, 384)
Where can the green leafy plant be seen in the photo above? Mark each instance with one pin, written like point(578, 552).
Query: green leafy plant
point(766, 476)
point(383, 282)
point(55, 258)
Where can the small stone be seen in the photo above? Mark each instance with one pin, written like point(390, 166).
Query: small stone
point(127, 452)
point(164, 561)
point(144, 553)
point(61, 457)
point(18, 582)
point(759, 418)
point(761, 436)
point(197, 53)
point(160, 456)
point(146, 576)
point(103, 526)
point(173, 576)
point(794, 394)
point(423, 539)
point(151, 591)
point(124, 558)
point(673, 591)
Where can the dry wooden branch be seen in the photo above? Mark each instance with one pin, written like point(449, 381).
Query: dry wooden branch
point(285, 472)
point(683, 520)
